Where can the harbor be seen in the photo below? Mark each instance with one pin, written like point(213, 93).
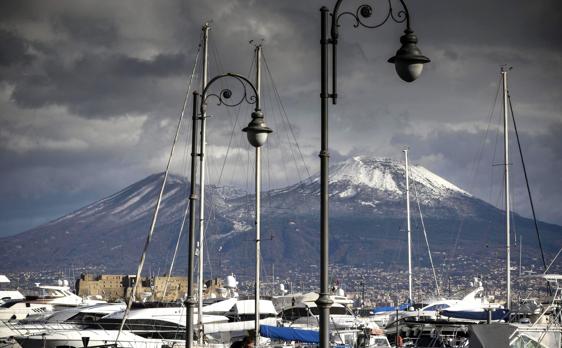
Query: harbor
point(279, 175)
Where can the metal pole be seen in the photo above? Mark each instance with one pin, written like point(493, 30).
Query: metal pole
point(258, 189)
point(202, 186)
point(362, 293)
point(506, 166)
point(520, 252)
point(396, 323)
point(324, 302)
point(409, 227)
point(190, 301)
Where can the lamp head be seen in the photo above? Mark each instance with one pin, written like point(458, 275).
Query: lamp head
point(257, 130)
point(409, 60)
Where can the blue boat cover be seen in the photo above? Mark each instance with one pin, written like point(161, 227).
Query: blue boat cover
point(497, 314)
point(402, 307)
point(289, 334)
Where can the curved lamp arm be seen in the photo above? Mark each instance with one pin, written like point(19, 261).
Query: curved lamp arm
point(408, 59)
point(257, 129)
point(365, 11)
point(225, 94)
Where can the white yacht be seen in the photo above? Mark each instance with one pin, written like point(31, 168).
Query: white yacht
point(71, 318)
point(59, 296)
point(152, 324)
point(18, 309)
point(241, 319)
point(91, 337)
point(304, 313)
point(471, 301)
point(6, 294)
point(45, 299)
point(148, 325)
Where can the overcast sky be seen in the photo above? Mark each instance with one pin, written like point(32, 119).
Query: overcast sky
point(90, 94)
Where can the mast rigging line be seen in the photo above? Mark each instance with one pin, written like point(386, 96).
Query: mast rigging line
point(157, 208)
point(175, 250)
point(284, 114)
point(526, 180)
point(212, 212)
point(426, 240)
point(184, 219)
point(446, 263)
point(554, 259)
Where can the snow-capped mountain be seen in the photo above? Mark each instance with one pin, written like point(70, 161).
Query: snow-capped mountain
point(388, 177)
point(367, 218)
point(377, 186)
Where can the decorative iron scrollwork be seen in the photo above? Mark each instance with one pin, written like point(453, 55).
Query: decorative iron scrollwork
point(365, 11)
point(225, 94)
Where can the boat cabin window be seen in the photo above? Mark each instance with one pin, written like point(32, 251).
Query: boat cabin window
point(10, 304)
point(292, 314)
point(436, 307)
point(50, 293)
point(333, 311)
point(86, 317)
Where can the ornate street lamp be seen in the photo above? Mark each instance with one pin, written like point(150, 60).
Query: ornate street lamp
point(257, 132)
point(408, 63)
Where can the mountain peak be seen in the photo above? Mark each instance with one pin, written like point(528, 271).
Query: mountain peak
point(377, 173)
point(387, 175)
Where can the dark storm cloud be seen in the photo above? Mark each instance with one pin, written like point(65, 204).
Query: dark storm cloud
point(84, 29)
point(77, 66)
point(13, 50)
point(519, 23)
point(79, 76)
point(471, 159)
point(99, 85)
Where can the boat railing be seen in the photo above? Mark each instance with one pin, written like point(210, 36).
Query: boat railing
point(553, 307)
point(37, 328)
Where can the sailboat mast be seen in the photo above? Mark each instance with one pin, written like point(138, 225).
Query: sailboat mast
point(258, 203)
point(520, 252)
point(202, 184)
point(506, 166)
point(408, 226)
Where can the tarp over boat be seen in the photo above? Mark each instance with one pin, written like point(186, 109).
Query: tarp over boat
point(290, 334)
point(497, 314)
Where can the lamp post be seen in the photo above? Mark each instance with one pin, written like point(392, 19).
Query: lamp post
point(408, 63)
point(202, 166)
point(190, 301)
point(256, 132)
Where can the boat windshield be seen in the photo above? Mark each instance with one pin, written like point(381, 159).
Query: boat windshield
point(51, 293)
point(436, 307)
point(9, 304)
point(333, 311)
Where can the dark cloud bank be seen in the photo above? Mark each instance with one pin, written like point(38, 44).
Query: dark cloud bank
point(90, 91)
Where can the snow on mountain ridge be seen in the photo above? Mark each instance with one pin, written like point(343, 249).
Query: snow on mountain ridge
point(357, 172)
point(347, 179)
point(387, 175)
point(430, 179)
